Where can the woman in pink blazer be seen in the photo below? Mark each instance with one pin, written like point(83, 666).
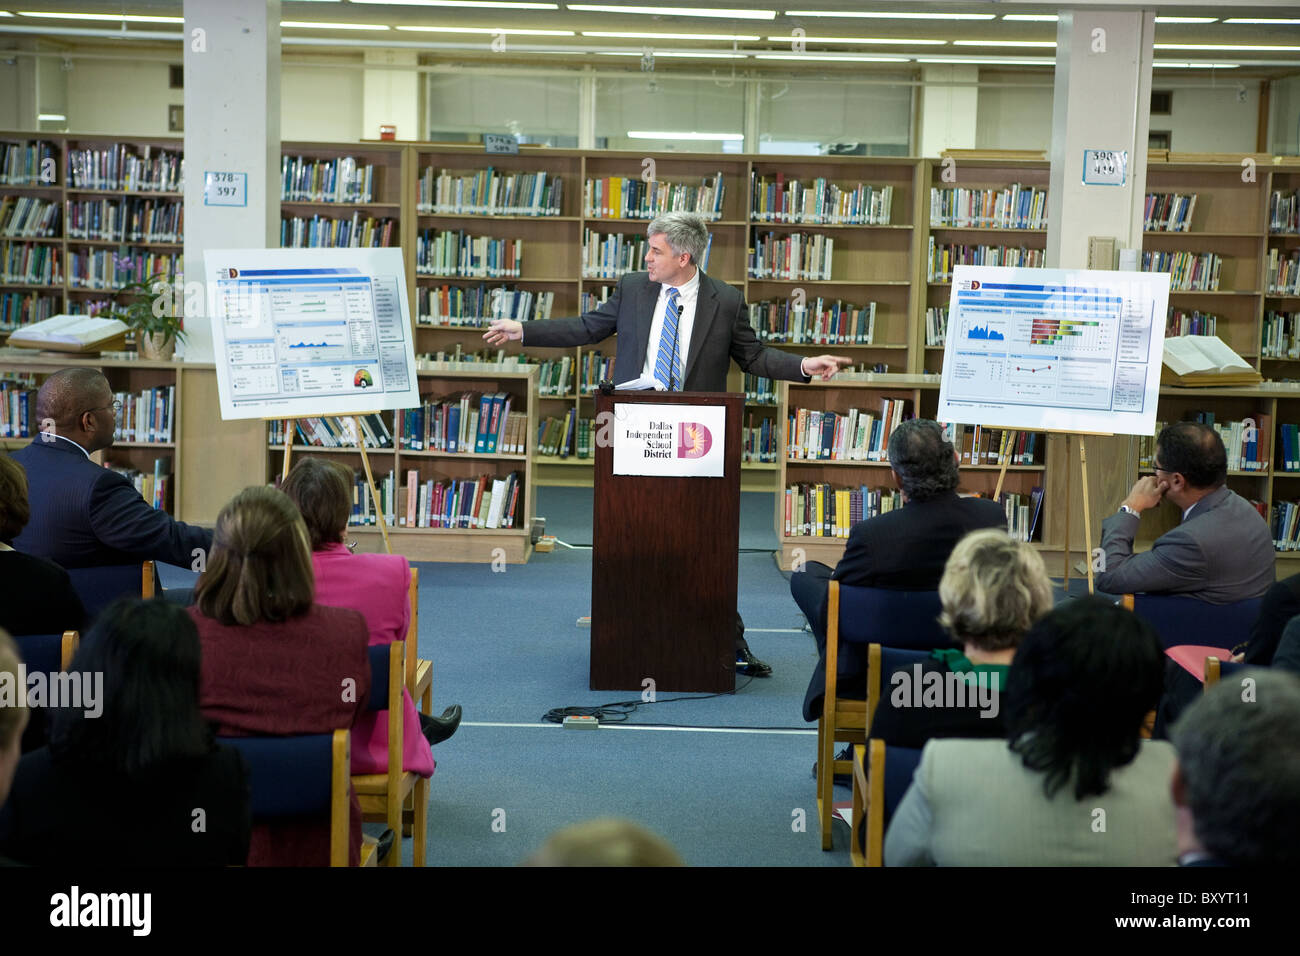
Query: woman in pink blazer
point(377, 585)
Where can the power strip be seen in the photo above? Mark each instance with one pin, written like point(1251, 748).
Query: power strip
point(581, 723)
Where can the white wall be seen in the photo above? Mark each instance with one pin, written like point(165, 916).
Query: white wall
point(1014, 117)
point(1284, 118)
point(320, 104)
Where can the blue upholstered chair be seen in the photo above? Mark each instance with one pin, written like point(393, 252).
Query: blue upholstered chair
point(884, 773)
point(48, 653)
point(1179, 619)
point(99, 587)
point(881, 664)
point(857, 617)
point(1216, 669)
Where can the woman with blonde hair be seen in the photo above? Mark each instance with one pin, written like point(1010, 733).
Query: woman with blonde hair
point(275, 662)
point(993, 590)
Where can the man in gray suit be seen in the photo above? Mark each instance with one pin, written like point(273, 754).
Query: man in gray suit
point(1222, 551)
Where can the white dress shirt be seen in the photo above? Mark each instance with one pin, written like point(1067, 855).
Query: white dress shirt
point(74, 445)
point(688, 294)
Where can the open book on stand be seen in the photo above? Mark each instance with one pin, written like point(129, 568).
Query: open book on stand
point(71, 333)
point(1203, 360)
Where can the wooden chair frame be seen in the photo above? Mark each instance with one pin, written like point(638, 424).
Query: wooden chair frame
point(419, 681)
point(841, 720)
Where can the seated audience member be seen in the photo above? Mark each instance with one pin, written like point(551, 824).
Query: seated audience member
point(1287, 657)
point(605, 842)
point(378, 586)
point(1280, 604)
point(1236, 784)
point(1220, 553)
point(13, 718)
point(275, 663)
point(993, 590)
point(1074, 784)
point(83, 515)
point(130, 757)
point(904, 549)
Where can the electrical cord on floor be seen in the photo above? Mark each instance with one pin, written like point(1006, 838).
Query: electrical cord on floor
point(620, 711)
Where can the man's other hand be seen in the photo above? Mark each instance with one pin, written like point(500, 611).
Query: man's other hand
point(1146, 493)
point(824, 365)
point(501, 331)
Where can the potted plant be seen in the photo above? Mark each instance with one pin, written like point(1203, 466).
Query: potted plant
point(144, 307)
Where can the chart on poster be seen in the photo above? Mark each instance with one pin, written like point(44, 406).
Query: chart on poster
point(308, 332)
point(1054, 349)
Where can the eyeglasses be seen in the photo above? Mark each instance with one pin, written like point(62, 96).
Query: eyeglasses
point(115, 406)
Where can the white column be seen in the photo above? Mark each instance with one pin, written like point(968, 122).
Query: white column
point(948, 101)
point(1102, 101)
point(392, 95)
point(232, 125)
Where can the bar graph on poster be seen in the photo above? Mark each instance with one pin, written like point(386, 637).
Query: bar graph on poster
point(1054, 349)
point(308, 332)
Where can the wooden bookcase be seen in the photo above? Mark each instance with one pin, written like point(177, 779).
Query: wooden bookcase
point(1284, 244)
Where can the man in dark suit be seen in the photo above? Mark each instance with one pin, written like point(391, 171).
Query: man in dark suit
point(905, 549)
point(84, 515)
point(676, 326)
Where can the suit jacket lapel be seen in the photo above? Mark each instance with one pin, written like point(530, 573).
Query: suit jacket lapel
point(706, 310)
point(1209, 502)
point(643, 315)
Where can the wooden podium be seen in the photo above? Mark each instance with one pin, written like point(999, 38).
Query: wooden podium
point(665, 562)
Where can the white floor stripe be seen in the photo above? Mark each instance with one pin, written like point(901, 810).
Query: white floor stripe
point(775, 630)
point(614, 726)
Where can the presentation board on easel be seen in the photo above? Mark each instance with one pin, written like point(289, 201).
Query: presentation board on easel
point(1073, 351)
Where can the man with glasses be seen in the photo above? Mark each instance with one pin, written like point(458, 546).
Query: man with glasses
point(1221, 551)
point(84, 515)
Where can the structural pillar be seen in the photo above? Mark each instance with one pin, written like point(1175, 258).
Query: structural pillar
point(949, 97)
point(391, 95)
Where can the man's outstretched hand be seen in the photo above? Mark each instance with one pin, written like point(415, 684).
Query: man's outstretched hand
point(824, 365)
point(501, 331)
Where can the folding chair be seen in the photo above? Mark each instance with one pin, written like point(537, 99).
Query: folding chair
point(101, 586)
point(890, 774)
point(1216, 669)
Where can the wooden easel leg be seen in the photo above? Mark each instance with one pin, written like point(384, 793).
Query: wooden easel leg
point(370, 479)
point(1087, 517)
point(1067, 514)
point(1002, 476)
point(288, 447)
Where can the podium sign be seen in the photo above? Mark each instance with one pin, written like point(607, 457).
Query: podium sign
point(665, 547)
point(669, 440)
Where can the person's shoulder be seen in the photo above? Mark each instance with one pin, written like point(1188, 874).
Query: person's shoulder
point(981, 506)
point(47, 573)
point(340, 621)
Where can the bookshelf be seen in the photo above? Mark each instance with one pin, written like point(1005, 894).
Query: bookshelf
point(1281, 307)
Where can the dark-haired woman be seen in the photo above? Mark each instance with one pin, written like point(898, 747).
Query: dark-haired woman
point(131, 775)
point(1074, 784)
point(274, 662)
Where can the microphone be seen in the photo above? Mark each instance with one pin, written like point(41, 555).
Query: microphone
point(606, 387)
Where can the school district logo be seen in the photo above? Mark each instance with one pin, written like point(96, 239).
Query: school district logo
point(693, 440)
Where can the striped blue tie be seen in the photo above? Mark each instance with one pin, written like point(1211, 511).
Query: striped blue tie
point(668, 364)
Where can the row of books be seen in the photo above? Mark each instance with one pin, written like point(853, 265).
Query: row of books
point(486, 502)
point(110, 269)
point(1023, 513)
point(476, 306)
point(816, 434)
point(322, 232)
point(791, 255)
point(456, 253)
point(1168, 212)
point(1284, 523)
point(595, 368)
point(32, 163)
point(820, 202)
point(1248, 442)
point(474, 423)
point(936, 326)
point(942, 258)
point(146, 416)
point(28, 217)
point(1281, 335)
point(154, 486)
point(1289, 446)
point(1283, 275)
point(821, 322)
point(31, 264)
point(306, 179)
point(18, 409)
point(458, 355)
point(24, 308)
point(1283, 211)
point(126, 220)
point(758, 440)
point(591, 298)
point(120, 167)
point(489, 192)
point(822, 511)
point(759, 390)
point(554, 377)
point(1188, 271)
point(608, 257)
point(334, 431)
point(1012, 207)
point(565, 436)
point(620, 197)
point(1190, 323)
point(980, 445)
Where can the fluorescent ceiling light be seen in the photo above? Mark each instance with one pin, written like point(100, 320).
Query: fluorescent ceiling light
point(112, 17)
point(726, 14)
point(1186, 19)
point(653, 134)
point(509, 30)
point(5, 13)
point(725, 37)
point(1170, 65)
point(469, 4)
point(1276, 21)
point(890, 16)
point(307, 25)
point(863, 40)
point(1043, 44)
point(1032, 17)
point(51, 117)
point(991, 60)
point(676, 53)
point(1231, 47)
point(839, 58)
